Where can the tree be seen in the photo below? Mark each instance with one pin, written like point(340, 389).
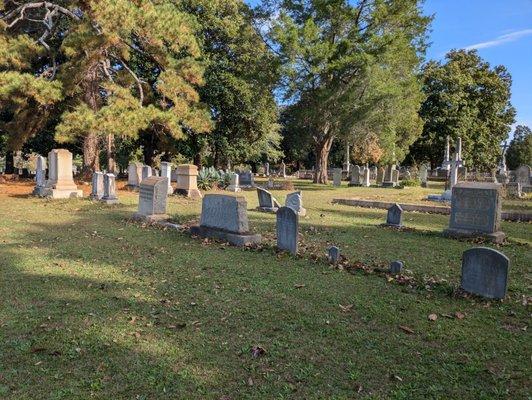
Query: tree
point(73, 58)
point(465, 98)
point(520, 150)
point(349, 69)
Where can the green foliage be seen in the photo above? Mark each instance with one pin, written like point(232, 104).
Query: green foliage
point(410, 182)
point(350, 70)
point(465, 98)
point(209, 178)
point(520, 150)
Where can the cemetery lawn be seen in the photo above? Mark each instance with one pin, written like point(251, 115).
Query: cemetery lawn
point(95, 306)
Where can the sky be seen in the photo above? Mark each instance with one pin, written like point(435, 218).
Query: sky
point(501, 31)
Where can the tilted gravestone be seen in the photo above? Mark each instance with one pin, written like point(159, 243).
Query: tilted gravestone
point(225, 217)
point(295, 202)
point(97, 186)
point(476, 211)
point(153, 196)
point(267, 202)
point(287, 229)
point(395, 216)
point(109, 189)
point(485, 272)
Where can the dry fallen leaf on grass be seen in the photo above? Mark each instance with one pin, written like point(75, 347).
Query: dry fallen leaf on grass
point(459, 315)
point(432, 317)
point(346, 308)
point(406, 329)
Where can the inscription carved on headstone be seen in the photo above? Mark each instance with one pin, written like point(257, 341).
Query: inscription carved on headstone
point(485, 272)
point(153, 199)
point(476, 211)
point(109, 189)
point(287, 229)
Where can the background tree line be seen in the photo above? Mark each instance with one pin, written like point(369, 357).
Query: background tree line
point(215, 82)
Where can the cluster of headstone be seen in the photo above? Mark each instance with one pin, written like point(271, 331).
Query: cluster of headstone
point(104, 188)
point(268, 203)
point(360, 176)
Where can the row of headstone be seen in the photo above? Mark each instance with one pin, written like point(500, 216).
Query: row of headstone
point(268, 203)
point(360, 176)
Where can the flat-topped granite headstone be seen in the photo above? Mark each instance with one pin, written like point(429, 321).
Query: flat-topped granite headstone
point(267, 202)
point(287, 229)
point(153, 196)
point(60, 183)
point(395, 216)
point(485, 272)
point(295, 202)
point(246, 179)
point(476, 211)
point(224, 217)
point(109, 189)
point(97, 186)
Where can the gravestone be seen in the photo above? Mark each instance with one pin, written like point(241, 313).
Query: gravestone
point(380, 176)
point(267, 169)
point(389, 177)
point(395, 216)
point(522, 175)
point(365, 178)
point(97, 186)
point(283, 170)
point(337, 177)
point(234, 183)
point(40, 175)
point(166, 172)
point(153, 196)
point(187, 181)
point(134, 175)
point(396, 267)
point(146, 172)
point(373, 173)
point(485, 272)
point(225, 217)
point(395, 177)
point(287, 229)
point(513, 190)
point(333, 254)
point(424, 175)
point(109, 189)
point(246, 179)
point(476, 211)
point(60, 183)
point(267, 202)
point(354, 179)
point(295, 202)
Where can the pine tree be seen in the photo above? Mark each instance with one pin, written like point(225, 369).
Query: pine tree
point(108, 67)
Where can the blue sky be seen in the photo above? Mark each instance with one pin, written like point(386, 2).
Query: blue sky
point(501, 30)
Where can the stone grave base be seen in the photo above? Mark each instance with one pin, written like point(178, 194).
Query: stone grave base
point(60, 193)
point(38, 191)
point(192, 193)
point(353, 184)
point(109, 201)
point(235, 239)
point(392, 226)
point(272, 210)
point(149, 218)
point(495, 237)
point(389, 184)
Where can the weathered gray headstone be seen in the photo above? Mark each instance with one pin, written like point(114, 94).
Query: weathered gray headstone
point(152, 199)
point(396, 267)
point(109, 189)
point(234, 185)
point(365, 178)
point(337, 177)
point(146, 172)
point(485, 272)
point(40, 175)
point(287, 229)
point(267, 202)
point(380, 176)
point(424, 175)
point(134, 174)
point(354, 179)
point(295, 202)
point(225, 217)
point(513, 189)
point(476, 211)
point(166, 172)
point(246, 179)
point(97, 186)
point(283, 170)
point(389, 176)
point(333, 255)
point(395, 216)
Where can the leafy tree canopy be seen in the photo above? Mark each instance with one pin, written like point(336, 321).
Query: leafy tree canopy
point(520, 149)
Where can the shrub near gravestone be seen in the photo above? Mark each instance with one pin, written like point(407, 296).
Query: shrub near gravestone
point(485, 272)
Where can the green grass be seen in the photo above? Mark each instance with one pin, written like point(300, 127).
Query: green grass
point(94, 306)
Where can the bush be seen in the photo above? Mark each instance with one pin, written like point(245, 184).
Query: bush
point(209, 178)
point(410, 182)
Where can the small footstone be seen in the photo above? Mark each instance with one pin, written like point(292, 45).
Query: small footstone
point(334, 255)
point(396, 267)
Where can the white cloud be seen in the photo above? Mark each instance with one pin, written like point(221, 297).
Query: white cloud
point(509, 37)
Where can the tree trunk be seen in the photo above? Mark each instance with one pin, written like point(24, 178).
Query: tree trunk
point(91, 159)
point(323, 148)
point(10, 167)
point(111, 158)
